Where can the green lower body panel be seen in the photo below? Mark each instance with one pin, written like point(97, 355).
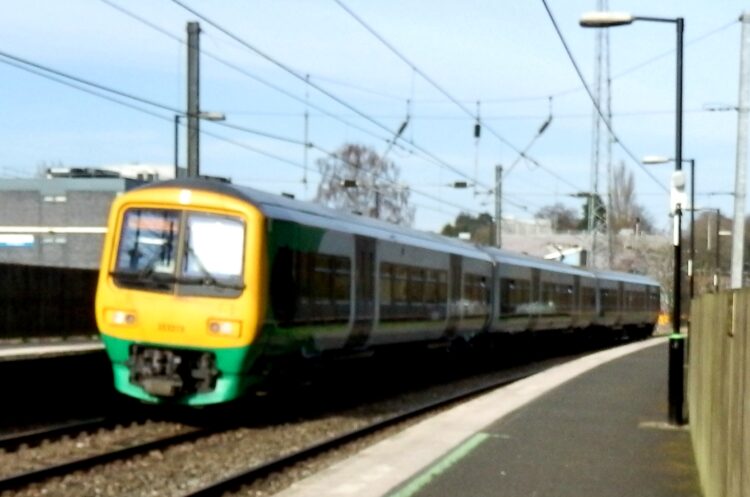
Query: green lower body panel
point(234, 366)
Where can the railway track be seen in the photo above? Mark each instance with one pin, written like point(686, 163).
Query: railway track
point(12, 441)
point(255, 472)
point(275, 450)
point(39, 475)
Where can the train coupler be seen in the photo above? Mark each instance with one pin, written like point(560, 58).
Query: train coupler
point(172, 372)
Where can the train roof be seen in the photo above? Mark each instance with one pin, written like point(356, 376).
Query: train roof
point(508, 257)
point(625, 277)
point(280, 207)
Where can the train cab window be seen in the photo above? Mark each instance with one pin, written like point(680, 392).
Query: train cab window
point(213, 248)
point(148, 241)
point(210, 246)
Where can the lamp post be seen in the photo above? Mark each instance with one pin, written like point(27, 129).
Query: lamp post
point(718, 233)
point(206, 116)
point(676, 342)
point(717, 258)
point(655, 159)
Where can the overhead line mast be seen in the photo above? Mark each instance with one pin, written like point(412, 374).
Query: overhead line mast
point(598, 221)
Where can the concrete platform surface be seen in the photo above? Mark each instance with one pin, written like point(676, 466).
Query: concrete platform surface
point(595, 426)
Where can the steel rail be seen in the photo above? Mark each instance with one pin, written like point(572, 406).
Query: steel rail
point(33, 437)
point(21, 479)
point(245, 477)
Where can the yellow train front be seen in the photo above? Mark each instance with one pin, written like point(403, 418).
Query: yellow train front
point(179, 301)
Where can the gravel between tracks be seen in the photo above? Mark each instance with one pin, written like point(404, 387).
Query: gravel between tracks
point(188, 466)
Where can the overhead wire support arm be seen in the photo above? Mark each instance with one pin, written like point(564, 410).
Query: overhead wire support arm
point(280, 65)
point(398, 133)
point(439, 88)
point(244, 72)
point(313, 85)
point(522, 153)
point(417, 70)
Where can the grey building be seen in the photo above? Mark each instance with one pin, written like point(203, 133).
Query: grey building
point(59, 220)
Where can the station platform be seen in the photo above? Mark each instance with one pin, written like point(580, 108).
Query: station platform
point(595, 426)
point(19, 351)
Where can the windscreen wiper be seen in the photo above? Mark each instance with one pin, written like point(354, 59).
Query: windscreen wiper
point(206, 277)
point(208, 280)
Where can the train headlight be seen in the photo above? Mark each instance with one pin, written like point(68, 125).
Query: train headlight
point(119, 317)
point(224, 327)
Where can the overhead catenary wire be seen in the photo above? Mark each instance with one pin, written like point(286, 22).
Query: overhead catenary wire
point(301, 77)
point(81, 83)
point(34, 69)
point(450, 97)
point(432, 157)
point(81, 87)
point(242, 71)
point(532, 98)
point(604, 119)
point(624, 72)
point(264, 82)
point(92, 84)
point(102, 91)
point(396, 135)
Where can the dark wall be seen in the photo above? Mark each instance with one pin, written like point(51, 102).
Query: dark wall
point(42, 301)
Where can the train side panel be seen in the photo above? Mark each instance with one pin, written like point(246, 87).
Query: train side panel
point(311, 288)
point(412, 288)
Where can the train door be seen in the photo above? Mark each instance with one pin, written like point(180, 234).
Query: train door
point(576, 306)
point(364, 291)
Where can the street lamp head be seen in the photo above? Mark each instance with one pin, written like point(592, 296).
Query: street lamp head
point(605, 19)
point(655, 159)
point(212, 116)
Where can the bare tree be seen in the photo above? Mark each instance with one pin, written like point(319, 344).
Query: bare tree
point(357, 179)
point(626, 212)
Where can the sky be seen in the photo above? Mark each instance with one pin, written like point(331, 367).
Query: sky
point(503, 60)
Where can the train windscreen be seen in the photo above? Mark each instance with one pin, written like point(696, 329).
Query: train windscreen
point(192, 253)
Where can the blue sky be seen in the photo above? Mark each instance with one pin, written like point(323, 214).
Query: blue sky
point(506, 55)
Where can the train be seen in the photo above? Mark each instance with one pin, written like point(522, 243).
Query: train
point(205, 285)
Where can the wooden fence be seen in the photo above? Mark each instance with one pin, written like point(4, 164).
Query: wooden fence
point(719, 392)
point(38, 301)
